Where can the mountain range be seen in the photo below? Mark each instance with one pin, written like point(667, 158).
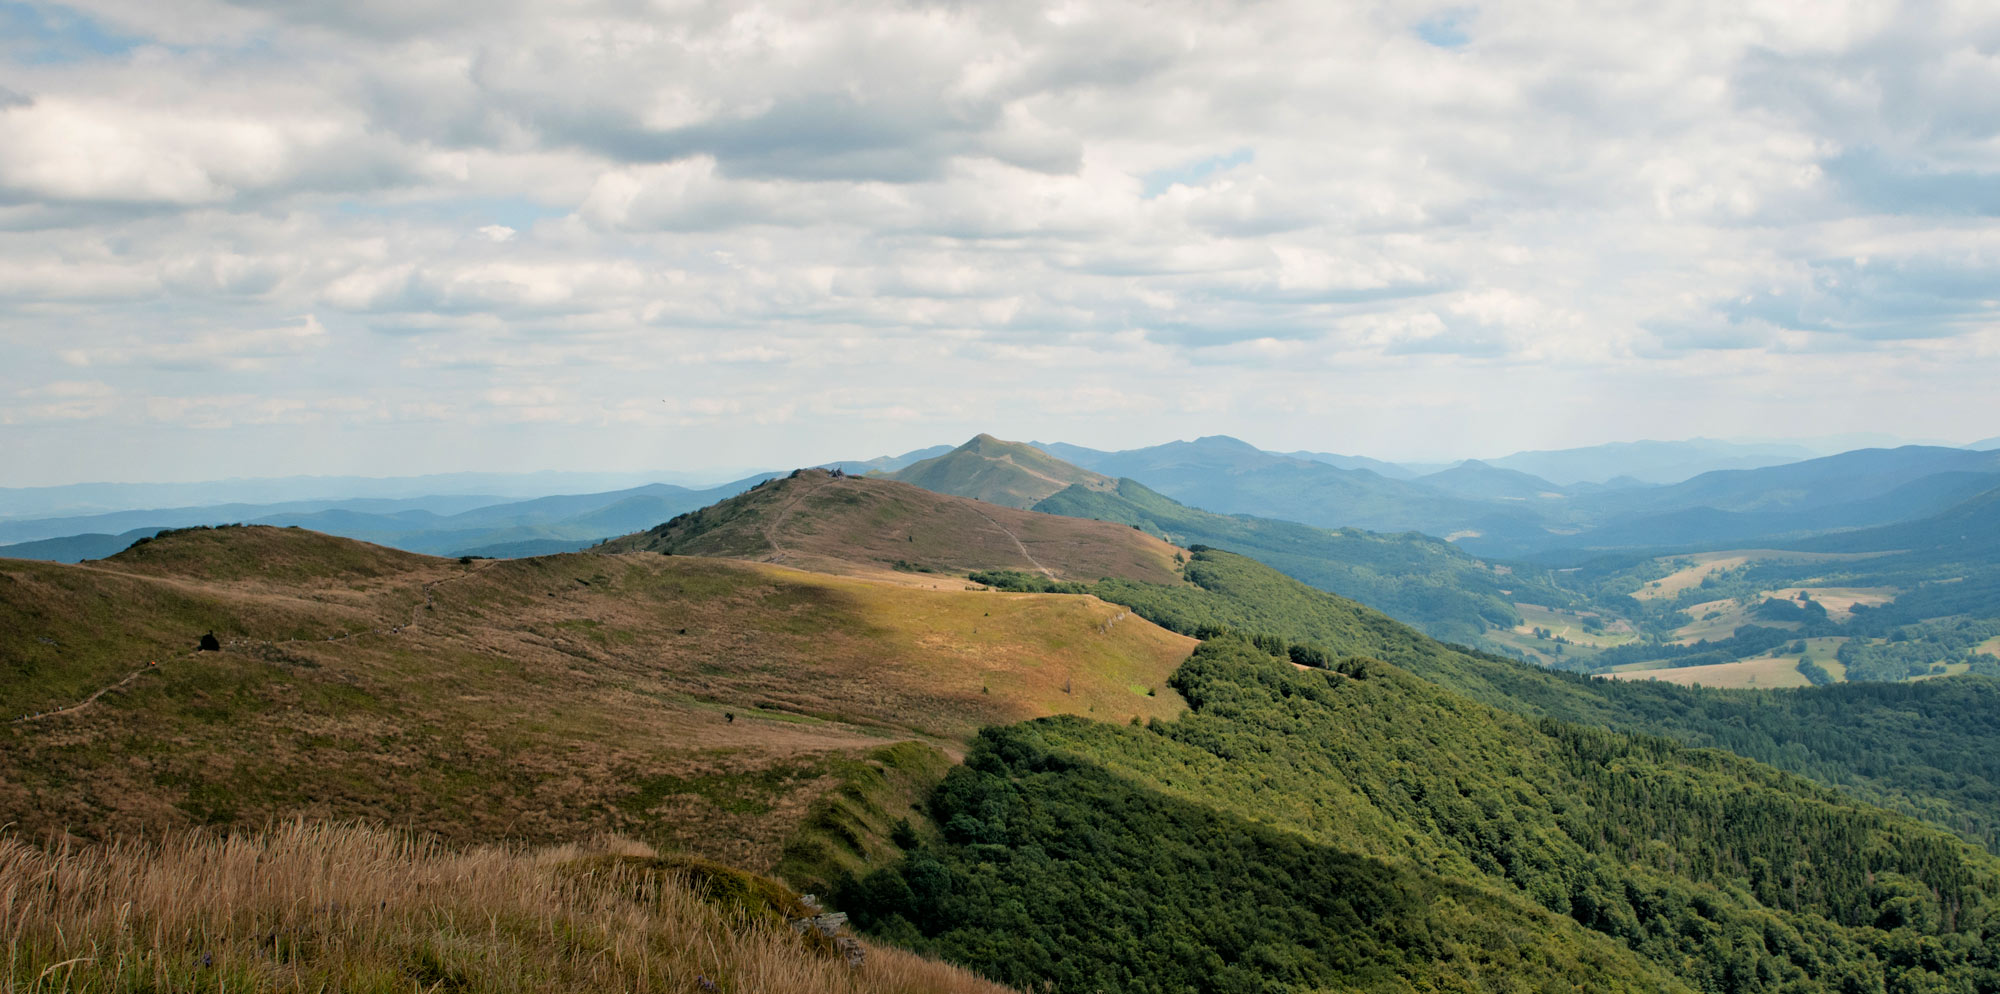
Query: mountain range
point(1063, 753)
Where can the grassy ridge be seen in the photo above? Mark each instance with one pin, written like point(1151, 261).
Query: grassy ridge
point(999, 472)
point(844, 524)
point(711, 705)
point(306, 908)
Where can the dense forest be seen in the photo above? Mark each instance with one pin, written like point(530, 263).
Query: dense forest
point(1076, 852)
point(1929, 749)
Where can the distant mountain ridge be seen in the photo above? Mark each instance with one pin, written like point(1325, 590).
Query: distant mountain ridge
point(1484, 481)
point(1420, 580)
point(1650, 461)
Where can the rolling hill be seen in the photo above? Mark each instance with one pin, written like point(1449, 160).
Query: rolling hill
point(689, 703)
point(998, 472)
point(814, 519)
point(1420, 580)
point(1483, 481)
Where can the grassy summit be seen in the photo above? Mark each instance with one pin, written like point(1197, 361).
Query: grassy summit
point(849, 524)
point(1000, 472)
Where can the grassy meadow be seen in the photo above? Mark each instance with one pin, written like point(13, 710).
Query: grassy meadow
point(746, 712)
point(336, 908)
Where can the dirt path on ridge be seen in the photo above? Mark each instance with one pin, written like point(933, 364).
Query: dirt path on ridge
point(1018, 544)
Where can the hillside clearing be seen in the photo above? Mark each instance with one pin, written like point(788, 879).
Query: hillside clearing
point(1761, 674)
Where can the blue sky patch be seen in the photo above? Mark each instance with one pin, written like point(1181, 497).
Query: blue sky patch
point(44, 33)
point(1192, 173)
point(1445, 29)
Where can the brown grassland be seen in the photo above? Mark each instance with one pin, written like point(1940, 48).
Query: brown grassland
point(334, 908)
point(774, 719)
point(857, 525)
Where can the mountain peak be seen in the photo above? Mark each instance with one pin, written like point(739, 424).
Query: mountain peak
point(997, 471)
point(1224, 442)
point(877, 525)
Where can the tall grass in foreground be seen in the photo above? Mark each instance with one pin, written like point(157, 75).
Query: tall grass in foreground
point(335, 908)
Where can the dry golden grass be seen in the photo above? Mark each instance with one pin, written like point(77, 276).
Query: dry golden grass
point(1672, 584)
point(1764, 673)
point(701, 705)
point(1839, 602)
point(318, 908)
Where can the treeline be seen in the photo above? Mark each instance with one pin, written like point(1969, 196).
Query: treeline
point(1916, 650)
point(1930, 749)
point(1094, 855)
point(1746, 641)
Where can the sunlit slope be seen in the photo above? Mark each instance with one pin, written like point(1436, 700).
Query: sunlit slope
point(684, 701)
point(844, 524)
point(1011, 473)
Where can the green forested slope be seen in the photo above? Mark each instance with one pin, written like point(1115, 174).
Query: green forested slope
point(1930, 749)
point(1422, 581)
point(1077, 851)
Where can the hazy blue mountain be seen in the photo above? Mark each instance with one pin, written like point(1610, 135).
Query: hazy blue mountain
point(527, 548)
point(1219, 473)
point(1822, 482)
point(887, 464)
point(1969, 528)
point(75, 548)
point(1502, 512)
point(556, 523)
point(1985, 444)
point(79, 499)
point(1650, 461)
point(1075, 455)
point(29, 529)
point(1391, 470)
point(1481, 481)
point(1833, 445)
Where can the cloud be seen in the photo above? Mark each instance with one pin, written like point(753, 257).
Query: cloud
point(236, 351)
point(62, 149)
point(935, 202)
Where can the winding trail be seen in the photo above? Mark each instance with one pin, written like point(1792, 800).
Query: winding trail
point(80, 705)
point(778, 552)
point(416, 617)
point(1018, 544)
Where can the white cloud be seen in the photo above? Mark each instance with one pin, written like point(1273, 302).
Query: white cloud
point(236, 351)
point(937, 203)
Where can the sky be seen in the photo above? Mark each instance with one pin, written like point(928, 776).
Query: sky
point(388, 237)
